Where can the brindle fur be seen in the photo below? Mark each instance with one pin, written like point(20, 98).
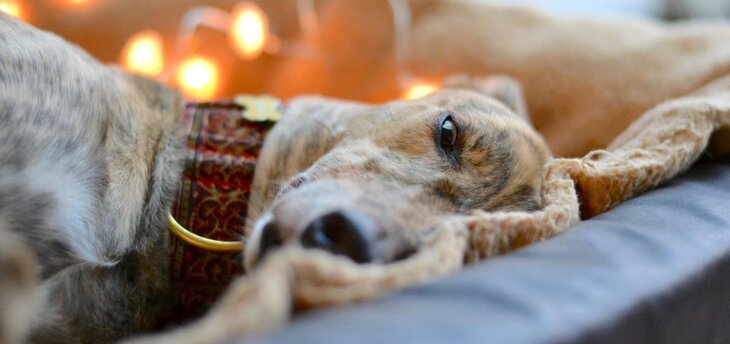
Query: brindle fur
point(88, 166)
point(384, 162)
point(90, 158)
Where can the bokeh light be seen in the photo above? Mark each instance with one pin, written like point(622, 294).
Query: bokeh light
point(249, 30)
point(419, 89)
point(12, 8)
point(76, 3)
point(198, 78)
point(144, 54)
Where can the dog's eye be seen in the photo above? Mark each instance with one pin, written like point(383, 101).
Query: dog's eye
point(447, 135)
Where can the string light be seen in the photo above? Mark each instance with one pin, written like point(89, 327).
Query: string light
point(419, 89)
point(143, 54)
point(198, 77)
point(11, 7)
point(249, 30)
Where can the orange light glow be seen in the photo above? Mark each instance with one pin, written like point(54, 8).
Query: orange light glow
point(143, 54)
point(12, 8)
point(249, 30)
point(76, 3)
point(198, 78)
point(419, 90)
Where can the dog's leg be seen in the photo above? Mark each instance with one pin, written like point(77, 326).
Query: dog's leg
point(18, 282)
point(82, 300)
point(92, 303)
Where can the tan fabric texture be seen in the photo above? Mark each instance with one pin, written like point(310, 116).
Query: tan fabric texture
point(664, 141)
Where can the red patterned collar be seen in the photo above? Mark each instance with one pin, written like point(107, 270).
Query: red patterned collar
point(223, 144)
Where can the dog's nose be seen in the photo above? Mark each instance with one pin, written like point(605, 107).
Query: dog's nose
point(341, 232)
point(270, 239)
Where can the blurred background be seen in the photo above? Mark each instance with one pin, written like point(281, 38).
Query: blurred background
point(218, 48)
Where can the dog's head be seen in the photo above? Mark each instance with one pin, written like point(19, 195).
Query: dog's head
point(369, 182)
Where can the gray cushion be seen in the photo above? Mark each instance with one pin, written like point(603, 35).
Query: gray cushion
point(656, 269)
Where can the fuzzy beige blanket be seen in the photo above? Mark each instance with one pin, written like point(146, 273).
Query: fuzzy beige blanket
point(589, 80)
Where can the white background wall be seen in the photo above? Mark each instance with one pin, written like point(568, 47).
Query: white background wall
point(597, 8)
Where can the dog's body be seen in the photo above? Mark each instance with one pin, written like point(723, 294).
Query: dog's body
point(90, 159)
point(87, 170)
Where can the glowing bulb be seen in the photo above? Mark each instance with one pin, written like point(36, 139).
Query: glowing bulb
point(249, 30)
point(419, 89)
point(143, 54)
point(198, 78)
point(10, 7)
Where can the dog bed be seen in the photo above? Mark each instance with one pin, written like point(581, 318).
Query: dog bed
point(651, 270)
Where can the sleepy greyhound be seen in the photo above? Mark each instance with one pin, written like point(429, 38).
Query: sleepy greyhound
point(366, 181)
point(90, 161)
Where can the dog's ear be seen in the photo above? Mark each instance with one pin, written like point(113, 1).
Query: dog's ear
point(505, 89)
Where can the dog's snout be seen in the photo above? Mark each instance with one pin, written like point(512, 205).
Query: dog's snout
point(271, 237)
point(342, 232)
